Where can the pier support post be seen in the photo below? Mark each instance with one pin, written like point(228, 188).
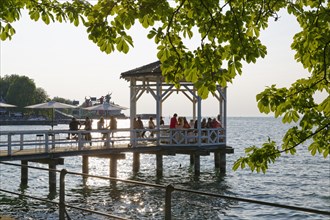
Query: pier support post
point(159, 165)
point(85, 168)
point(52, 177)
point(136, 162)
point(52, 163)
point(217, 160)
point(85, 164)
point(113, 167)
point(222, 163)
point(197, 165)
point(24, 173)
point(192, 160)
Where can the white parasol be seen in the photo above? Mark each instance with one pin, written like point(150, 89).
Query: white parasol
point(51, 105)
point(5, 105)
point(106, 107)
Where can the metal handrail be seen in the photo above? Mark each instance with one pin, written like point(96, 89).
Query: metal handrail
point(168, 192)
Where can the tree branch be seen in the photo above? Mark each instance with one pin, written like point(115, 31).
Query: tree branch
point(212, 20)
point(238, 29)
point(325, 61)
point(308, 137)
point(168, 30)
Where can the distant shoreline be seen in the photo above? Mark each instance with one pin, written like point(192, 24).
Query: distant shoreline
point(28, 122)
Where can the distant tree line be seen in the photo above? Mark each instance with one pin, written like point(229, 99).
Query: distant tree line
point(22, 91)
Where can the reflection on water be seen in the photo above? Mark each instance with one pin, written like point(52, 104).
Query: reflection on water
point(299, 180)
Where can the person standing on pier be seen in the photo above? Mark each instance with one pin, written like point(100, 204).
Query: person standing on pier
point(140, 126)
point(88, 127)
point(174, 121)
point(113, 123)
point(100, 126)
point(74, 126)
point(161, 123)
point(151, 126)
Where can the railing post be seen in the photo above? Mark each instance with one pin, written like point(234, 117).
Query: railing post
point(46, 143)
point(80, 143)
point(134, 138)
point(171, 136)
point(53, 140)
point(21, 141)
point(9, 144)
point(168, 199)
point(62, 195)
point(107, 139)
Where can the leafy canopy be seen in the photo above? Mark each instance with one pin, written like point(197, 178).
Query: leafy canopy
point(229, 35)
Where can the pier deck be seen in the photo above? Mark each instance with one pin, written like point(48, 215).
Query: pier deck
point(52, 146)
point(26, 145)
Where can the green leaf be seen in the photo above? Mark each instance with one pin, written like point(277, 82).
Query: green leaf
point(237, 164)
point(76, 22)
point(45, 18)
point(325, 106)
point(203, 92)
point(191, 75)
point(313, 148)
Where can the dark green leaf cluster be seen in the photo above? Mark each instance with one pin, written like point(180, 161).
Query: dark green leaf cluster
point(258, 158)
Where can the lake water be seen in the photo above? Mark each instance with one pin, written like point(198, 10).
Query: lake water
point(300, 180)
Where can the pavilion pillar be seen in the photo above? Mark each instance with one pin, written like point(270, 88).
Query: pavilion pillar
point(158, 107)
point(24, 173)
point(224, 125)
point(194, 105)
point(199, 118)
point(136, 162)
point(159, 164)
point(132, 110)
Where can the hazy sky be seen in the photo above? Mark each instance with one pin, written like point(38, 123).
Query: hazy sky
point(61, 59)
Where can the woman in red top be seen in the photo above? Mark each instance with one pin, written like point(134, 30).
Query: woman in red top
point(174, 121)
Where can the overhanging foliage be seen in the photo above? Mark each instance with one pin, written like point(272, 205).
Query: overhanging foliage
point(229, 35)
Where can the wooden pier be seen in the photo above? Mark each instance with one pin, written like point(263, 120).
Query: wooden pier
point(51, 147)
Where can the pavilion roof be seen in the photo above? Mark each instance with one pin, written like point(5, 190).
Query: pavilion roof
point(150, 71)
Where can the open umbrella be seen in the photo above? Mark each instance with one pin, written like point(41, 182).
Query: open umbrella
point(5, 105)
point(107, 107)
point(51, 105)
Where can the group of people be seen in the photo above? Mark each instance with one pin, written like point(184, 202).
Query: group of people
point(138, 124)
point(175, 122)
point(181, 122)
point(111, 126)
point(75, 125)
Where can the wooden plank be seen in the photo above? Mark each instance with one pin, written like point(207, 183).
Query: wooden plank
point(56, 161)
